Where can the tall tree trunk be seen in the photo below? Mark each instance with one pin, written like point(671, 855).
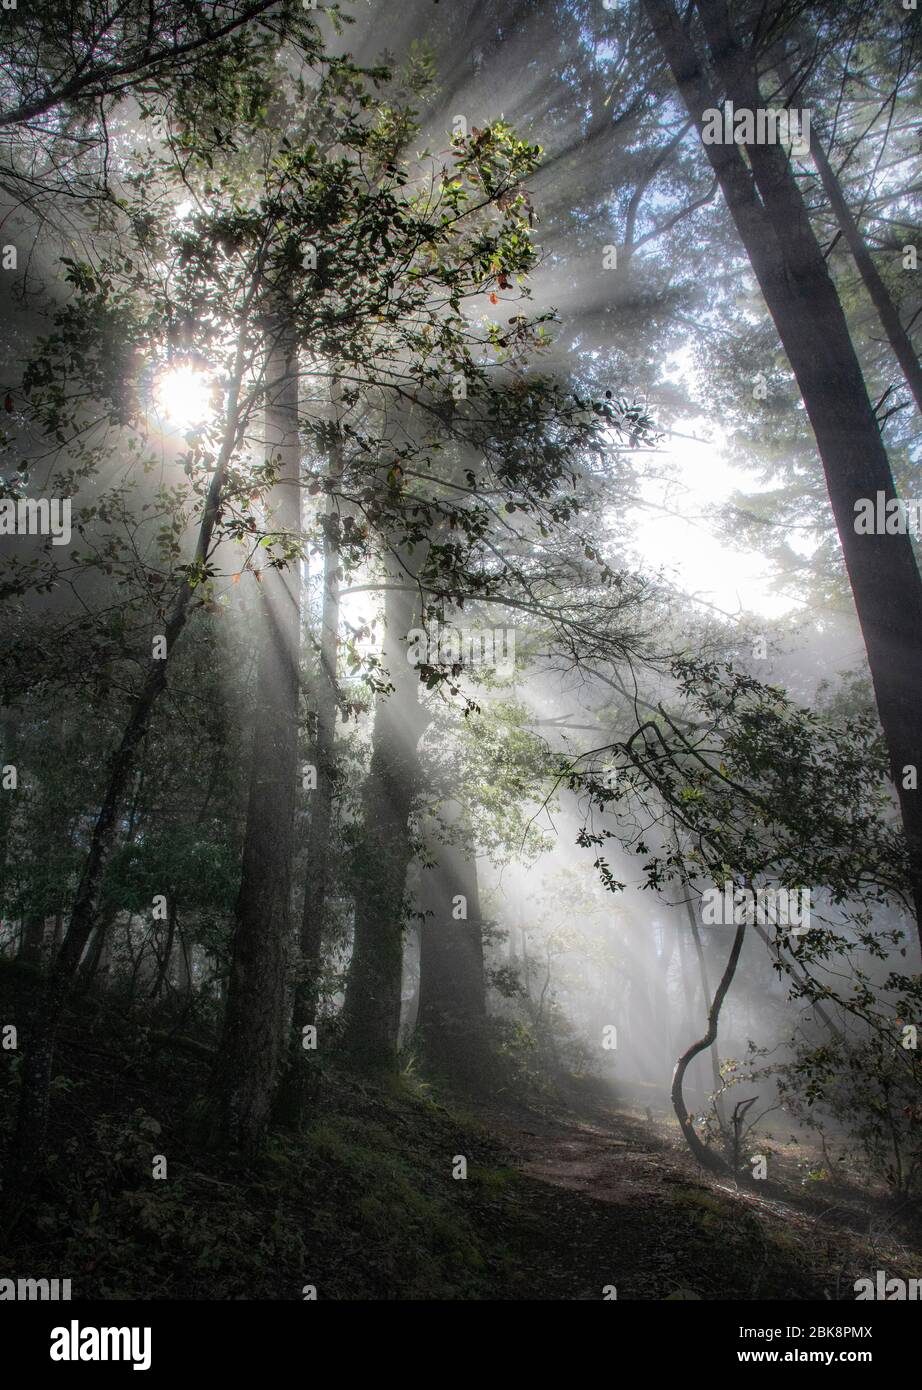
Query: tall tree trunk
point(371, 1013)
point(773, 224)
point(660, 989)
point(252, 1043)
point(166, 955)
point(452, 989)
point(32, 941)
point(295, 1092)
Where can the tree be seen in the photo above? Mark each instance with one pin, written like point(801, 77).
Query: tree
point(86, 57)
point(253, 1038)
point(768, 210)
point(371, 1015)
point(320, 851)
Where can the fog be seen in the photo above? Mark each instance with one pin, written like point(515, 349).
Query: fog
point(463, 730)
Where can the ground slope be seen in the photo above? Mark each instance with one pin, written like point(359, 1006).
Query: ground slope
point(563, 1199)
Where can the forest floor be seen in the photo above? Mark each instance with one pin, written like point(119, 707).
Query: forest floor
point(623, 1202)
point(564, 1198)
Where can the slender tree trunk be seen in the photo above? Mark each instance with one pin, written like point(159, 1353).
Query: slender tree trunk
point(32, 941)
point(252, 1044)
point(771, 218)
point(95, 962)
point(526, 966)
point(42, 1030)
point(690, 988)
point(371, 1013)
point(660, 984)
point(452, 989)
point(58, 933)
point(642, 1028)
point(708, 1159)
point(703, 971)
point(800, 981)
point(184, 981)
point(163, 965)
point(295, 1092)
point(43, 1027)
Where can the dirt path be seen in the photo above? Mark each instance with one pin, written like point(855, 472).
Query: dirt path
point(620, 1201)
point(605, 1152)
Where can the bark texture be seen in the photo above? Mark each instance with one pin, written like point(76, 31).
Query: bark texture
point(253, 1036)
point(452, 993)
point(371, 1014)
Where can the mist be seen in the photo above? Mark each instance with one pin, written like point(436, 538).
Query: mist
point(460, 835)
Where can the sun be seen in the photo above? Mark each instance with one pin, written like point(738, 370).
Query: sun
point(184, 394)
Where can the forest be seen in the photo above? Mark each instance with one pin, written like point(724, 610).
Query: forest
point(461, 710)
